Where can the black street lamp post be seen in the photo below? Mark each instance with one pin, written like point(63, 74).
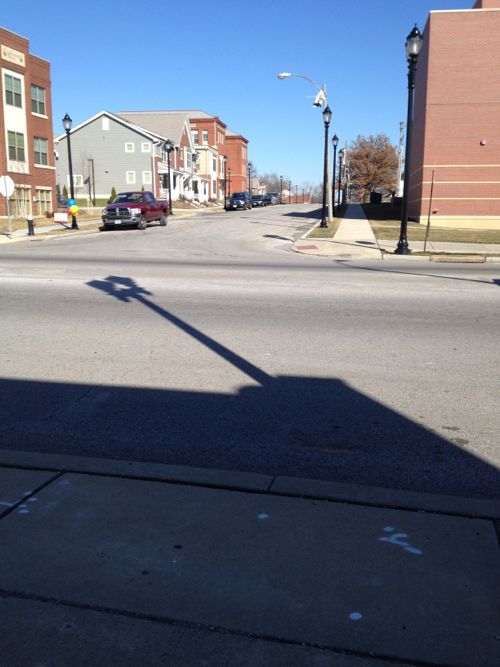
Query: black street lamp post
point(413, 46)
point(67, 122)
point(341, 159)
point(335, 142)
point(281, 189)
point(289, 190)
point(169, 147)
point(229, 181)
point(327, 117)
point(224, 162)
point(250, 179)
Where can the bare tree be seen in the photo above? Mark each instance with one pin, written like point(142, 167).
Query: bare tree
point(373, 164)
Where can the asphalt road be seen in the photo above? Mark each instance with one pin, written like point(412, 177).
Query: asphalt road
point(209, 343)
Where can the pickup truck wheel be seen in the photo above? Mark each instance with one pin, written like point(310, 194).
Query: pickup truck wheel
point(163, 220)
point(142, 224)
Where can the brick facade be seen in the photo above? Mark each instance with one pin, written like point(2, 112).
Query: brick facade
point(456, 131)
point(26, 133)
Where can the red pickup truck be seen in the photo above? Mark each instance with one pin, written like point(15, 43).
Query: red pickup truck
point(135, 208)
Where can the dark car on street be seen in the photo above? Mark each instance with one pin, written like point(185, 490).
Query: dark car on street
point(258, 200)
point(238, 200)
point(270, 199)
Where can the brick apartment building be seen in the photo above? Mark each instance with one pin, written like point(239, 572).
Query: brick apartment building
point(27, 150)
point(210, 131)
point(457, 119)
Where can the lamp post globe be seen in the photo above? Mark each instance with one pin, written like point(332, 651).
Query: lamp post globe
point(413, 46)
point(67, 124)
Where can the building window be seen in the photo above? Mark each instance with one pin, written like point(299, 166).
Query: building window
point(77, 181)
point(214, 188)
point(20, 202)
point(105, 123)
point(40, 150)
point(146, 147)
point(146, 177)
point(129, 147)
point(188, 159)
point(130, 177)
point(195, 137)
point(38, 100)
point(44, 199)
point(13, 95)
point(214, 165)
point(204, 136)
point(16, 146)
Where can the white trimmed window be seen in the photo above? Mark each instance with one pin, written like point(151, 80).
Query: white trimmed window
point(214, 188)
point(44, 200)
point(77, 181)
point(195, 137)
point(15, 142)
point(13, 91)
point(129, 147)
point(38, 100)
point(105, 123)
point(146, 147)
point(41, 152)
point(130, 177)
point(204, 137)
point(146, 177)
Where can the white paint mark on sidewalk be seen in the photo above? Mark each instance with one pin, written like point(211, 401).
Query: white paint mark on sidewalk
point(401, 540)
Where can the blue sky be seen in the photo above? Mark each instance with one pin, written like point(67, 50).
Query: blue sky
point(223, 57)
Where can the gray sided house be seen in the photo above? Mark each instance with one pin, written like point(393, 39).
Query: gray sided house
point(107, 152)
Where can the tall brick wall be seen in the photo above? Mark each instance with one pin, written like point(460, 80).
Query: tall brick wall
point(457, 119)
point(35, 71)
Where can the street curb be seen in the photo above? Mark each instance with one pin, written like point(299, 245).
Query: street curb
point(257, 483)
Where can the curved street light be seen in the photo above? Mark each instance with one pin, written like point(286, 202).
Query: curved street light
point(321, 100)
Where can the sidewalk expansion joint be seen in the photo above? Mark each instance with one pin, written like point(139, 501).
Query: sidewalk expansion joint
point(208, 627)
point(33, 493)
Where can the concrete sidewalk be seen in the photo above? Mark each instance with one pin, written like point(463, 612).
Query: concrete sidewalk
point(109, 562)
point(354, 239)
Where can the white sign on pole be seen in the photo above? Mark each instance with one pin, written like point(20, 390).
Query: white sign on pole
point(7, 187)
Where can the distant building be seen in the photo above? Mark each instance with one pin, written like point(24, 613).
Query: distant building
point(457, 119)
point(27, 154)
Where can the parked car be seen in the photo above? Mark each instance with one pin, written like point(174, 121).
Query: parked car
point(135, 209)
point(275, 196)
point(257, 200)
point(270, 199)
point(238, 200)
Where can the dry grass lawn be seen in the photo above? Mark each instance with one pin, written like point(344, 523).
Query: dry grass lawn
point(385, 223)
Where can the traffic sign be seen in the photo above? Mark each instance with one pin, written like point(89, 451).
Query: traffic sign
point(7, 186)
